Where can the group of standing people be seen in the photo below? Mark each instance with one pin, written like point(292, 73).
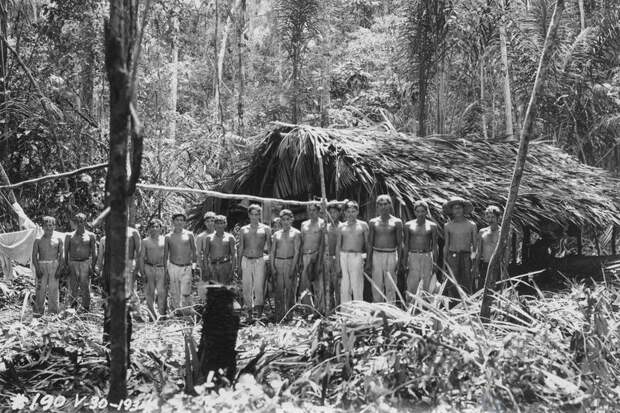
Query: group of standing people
point(323, 264)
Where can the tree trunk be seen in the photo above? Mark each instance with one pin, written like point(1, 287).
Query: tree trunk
point(174, 82)
point(506, 73)
point(526, 133)
point(614, 232)
point(240, 68)
point(582, 15)
point(220, 59)
point(4, 58)
point(441, 98)
point(295, 97)
point(120, 35)
point(485, 132)
point(216, 77)
point(326, 68)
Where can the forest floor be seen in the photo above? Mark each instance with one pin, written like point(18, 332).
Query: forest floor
point(548, 351)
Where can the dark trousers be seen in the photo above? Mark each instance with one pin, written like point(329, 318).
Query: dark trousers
point(460, 265)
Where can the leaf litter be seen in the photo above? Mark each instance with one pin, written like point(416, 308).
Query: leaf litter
point(552, 352)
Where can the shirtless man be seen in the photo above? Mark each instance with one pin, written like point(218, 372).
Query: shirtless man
point(209, 219)
point(460, 244)
point(80, 258)
point(312, 245)
point(254, 240)
point(332, 277)
point(420, 253)
point(220, 253)
point(385, 241)
point(283, 258)
point(153, 268)
point(47, 260)
point(351, 243)
point(180, 261)
point(485, 246)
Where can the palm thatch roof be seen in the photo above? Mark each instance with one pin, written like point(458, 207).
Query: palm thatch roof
point(359, 164)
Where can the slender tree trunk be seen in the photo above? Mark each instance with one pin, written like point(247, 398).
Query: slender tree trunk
point(483, 117)
point(174, 84)
point(216, 77)
point(295, 97)
point(220, 59)
point(582, 15)
point(441, 98)
point(87, 88)
point(240, 68)
point(4, 58)
point(506, 73)
point(120, 35)
point(526, 133)
point(326, 68)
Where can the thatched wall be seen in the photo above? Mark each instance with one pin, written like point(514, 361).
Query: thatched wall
point(361, 163)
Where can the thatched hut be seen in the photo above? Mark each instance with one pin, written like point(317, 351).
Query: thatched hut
point(359, 164)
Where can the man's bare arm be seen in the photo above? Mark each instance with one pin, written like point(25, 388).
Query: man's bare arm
point(35, 258)
point(267, 239)
point(166, 251)
point(399, 237)
point(297, 247)
point(142, 257)
point(233, 250)
point(93, 251)
point(338, 246)
point(272, 255)
point(369, 240)
point(446, 245)
point(192, 246)
point(67, 248)
point(240, 248)
point(434, 243)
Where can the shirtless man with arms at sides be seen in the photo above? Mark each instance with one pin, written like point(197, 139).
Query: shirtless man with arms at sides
point(47, 260)
point(460, 243)
point(153, 268)
point(312, 245)
point(220, 252)
point(332, 277)
point(254, 240)
point(180, 261)
point(421, 250)
point(351, 244)
point(283, 257)
point(80, 258)
point(486, 242)
point(385, 242)
point(209, 220)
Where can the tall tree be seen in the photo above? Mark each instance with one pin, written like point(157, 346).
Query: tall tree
point(425, 33)
point(122, 48)
point(506, 73)
point(241, 55)
point(526, 134)
point(297, 24)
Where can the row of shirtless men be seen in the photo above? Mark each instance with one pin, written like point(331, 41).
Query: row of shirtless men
point(325, 261)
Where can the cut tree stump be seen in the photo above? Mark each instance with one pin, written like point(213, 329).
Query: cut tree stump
point(217, 356)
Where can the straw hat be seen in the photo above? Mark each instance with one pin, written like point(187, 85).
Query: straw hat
point(467, 205)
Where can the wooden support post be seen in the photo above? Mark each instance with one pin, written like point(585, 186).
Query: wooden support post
point(597, 244)
point(514, 247)
point(614, 233)
point(579, 242)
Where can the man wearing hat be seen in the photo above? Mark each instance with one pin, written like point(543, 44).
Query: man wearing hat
point(180, 260)
point(460, 242)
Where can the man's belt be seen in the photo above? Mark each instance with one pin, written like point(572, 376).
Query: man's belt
point(155, 265)
point(459, 252)
point(419, 251)
point(384, 249)
point(310, 252)
point(285, 258)
point(80, 260)
point(181, 265)
point(220, 260)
